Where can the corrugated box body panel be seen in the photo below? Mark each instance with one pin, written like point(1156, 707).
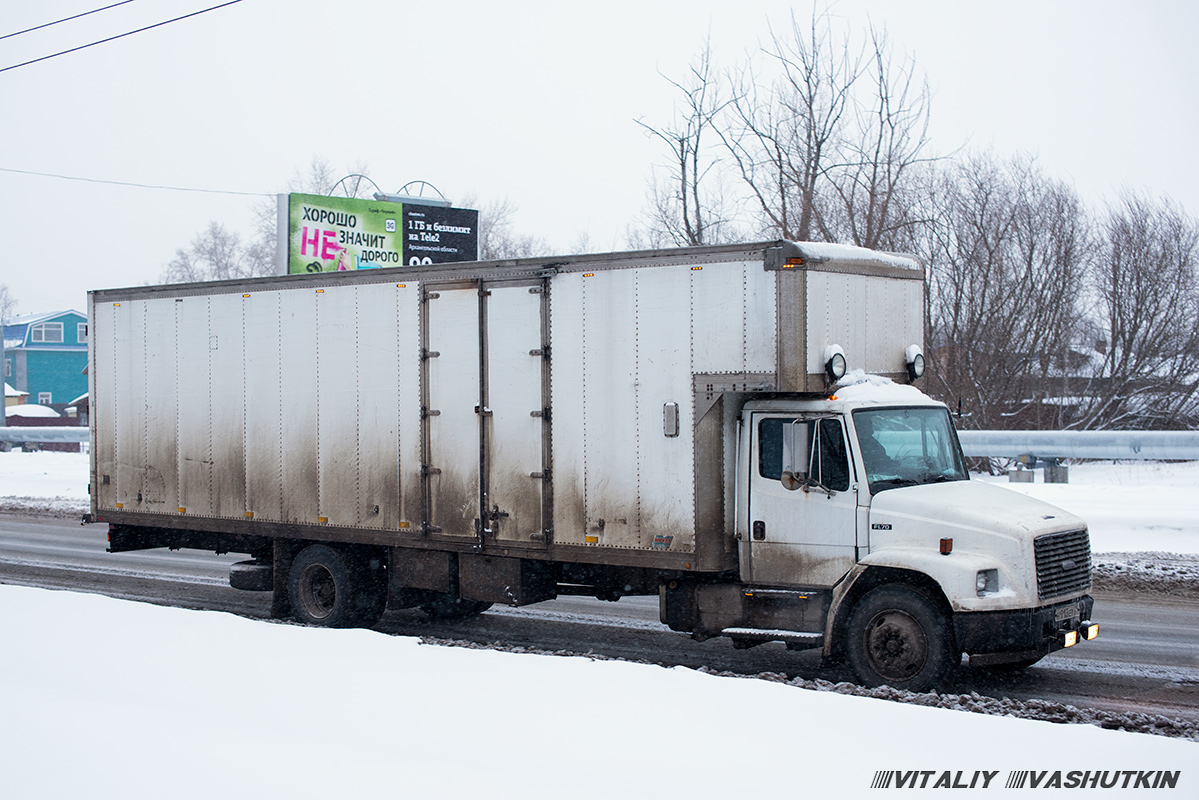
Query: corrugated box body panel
point(627, 343)
point(871, 317)
point(453, 421)
point(276, 405)
point(514, 430)
point(297, 425)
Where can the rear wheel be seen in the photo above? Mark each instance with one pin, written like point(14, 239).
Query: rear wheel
point(898, 638)
point(335, 589)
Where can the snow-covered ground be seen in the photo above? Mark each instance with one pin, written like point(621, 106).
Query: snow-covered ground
point(107, 698)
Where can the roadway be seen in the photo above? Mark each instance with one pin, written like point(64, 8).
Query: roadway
point(1145, 660)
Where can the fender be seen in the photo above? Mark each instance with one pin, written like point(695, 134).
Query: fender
point(953, 574)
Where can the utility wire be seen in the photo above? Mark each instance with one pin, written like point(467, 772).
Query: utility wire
point(135, 185)
point(119, 36)
point(64, 19)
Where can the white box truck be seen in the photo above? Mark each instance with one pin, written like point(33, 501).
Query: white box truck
point(674, 423)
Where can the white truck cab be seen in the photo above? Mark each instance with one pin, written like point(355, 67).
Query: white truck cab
point(863, 499)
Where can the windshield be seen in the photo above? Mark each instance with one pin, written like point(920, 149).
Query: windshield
point(908, 446)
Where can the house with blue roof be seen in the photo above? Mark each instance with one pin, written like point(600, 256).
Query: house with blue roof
point(45, 354)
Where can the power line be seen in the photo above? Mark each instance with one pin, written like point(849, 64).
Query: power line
point(135, 185)
point(64, 19)
point(119, 36)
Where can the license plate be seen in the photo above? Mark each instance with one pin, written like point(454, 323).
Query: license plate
point(1066, 612)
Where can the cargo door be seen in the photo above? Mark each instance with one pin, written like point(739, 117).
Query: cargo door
point(805, 537)
point(452, 405)
point(515, 417)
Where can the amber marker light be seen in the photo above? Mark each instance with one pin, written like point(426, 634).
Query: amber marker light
point(946, 546)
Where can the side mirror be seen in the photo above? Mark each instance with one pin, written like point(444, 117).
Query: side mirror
point(795, 455)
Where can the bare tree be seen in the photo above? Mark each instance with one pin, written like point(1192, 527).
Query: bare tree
point(871, 188)
point(218, 254)
point(1006, 253)
point(688, 205)
point(826, 138)
point(497, 239)
point(1147, 375)
point(783, 133)
point(8, 306)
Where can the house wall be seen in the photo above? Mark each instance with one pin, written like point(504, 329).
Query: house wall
point(53, 367)
point(59, 372)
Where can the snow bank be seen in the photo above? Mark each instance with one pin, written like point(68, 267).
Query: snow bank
point(30, 410)
point(1130, 506)
point(107, 698)
point(44, 483)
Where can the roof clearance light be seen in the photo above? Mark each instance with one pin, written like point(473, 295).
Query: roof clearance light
point(835, 366)
point(915, 362)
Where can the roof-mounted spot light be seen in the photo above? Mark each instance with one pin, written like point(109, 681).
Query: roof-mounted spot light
point(915, 362)
point(834, 362)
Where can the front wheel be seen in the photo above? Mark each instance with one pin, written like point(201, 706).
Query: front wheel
point(898, 638)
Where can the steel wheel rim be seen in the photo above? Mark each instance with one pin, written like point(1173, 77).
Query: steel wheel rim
point(318, 591)
point(896, 645)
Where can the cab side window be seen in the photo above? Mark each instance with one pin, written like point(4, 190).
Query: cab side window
point(831, 470)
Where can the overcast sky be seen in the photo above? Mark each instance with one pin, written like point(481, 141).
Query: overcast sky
point(530, 101)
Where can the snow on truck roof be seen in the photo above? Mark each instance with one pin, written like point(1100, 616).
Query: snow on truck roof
point(823, 251)
point(859, 387)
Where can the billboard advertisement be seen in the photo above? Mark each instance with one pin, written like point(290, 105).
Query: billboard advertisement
point(336, 234)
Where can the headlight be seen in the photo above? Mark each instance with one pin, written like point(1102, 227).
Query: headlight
point(986, 582)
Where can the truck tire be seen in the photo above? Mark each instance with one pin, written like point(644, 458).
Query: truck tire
point(897, 637)
point(331, 588)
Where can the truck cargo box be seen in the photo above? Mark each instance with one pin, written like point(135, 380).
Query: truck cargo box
point(573, 409)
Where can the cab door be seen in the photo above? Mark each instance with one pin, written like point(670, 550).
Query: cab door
point(806, 536)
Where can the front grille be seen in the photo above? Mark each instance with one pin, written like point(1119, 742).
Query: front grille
point(1063, 563)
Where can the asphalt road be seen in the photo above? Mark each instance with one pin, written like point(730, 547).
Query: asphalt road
point(1146, 658)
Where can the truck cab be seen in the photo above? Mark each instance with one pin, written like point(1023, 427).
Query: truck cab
point(859, 508)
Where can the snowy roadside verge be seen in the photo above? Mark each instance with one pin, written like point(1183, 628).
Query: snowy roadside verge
point(392, 715)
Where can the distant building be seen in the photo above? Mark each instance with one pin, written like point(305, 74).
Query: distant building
point(12, 397)
point(45, 354)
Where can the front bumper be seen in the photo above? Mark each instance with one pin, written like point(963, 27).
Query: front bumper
point(1025, 632)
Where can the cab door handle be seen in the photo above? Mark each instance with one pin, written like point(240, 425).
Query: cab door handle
point(759, 530)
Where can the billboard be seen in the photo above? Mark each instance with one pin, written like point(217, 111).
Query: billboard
point(336, 234)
